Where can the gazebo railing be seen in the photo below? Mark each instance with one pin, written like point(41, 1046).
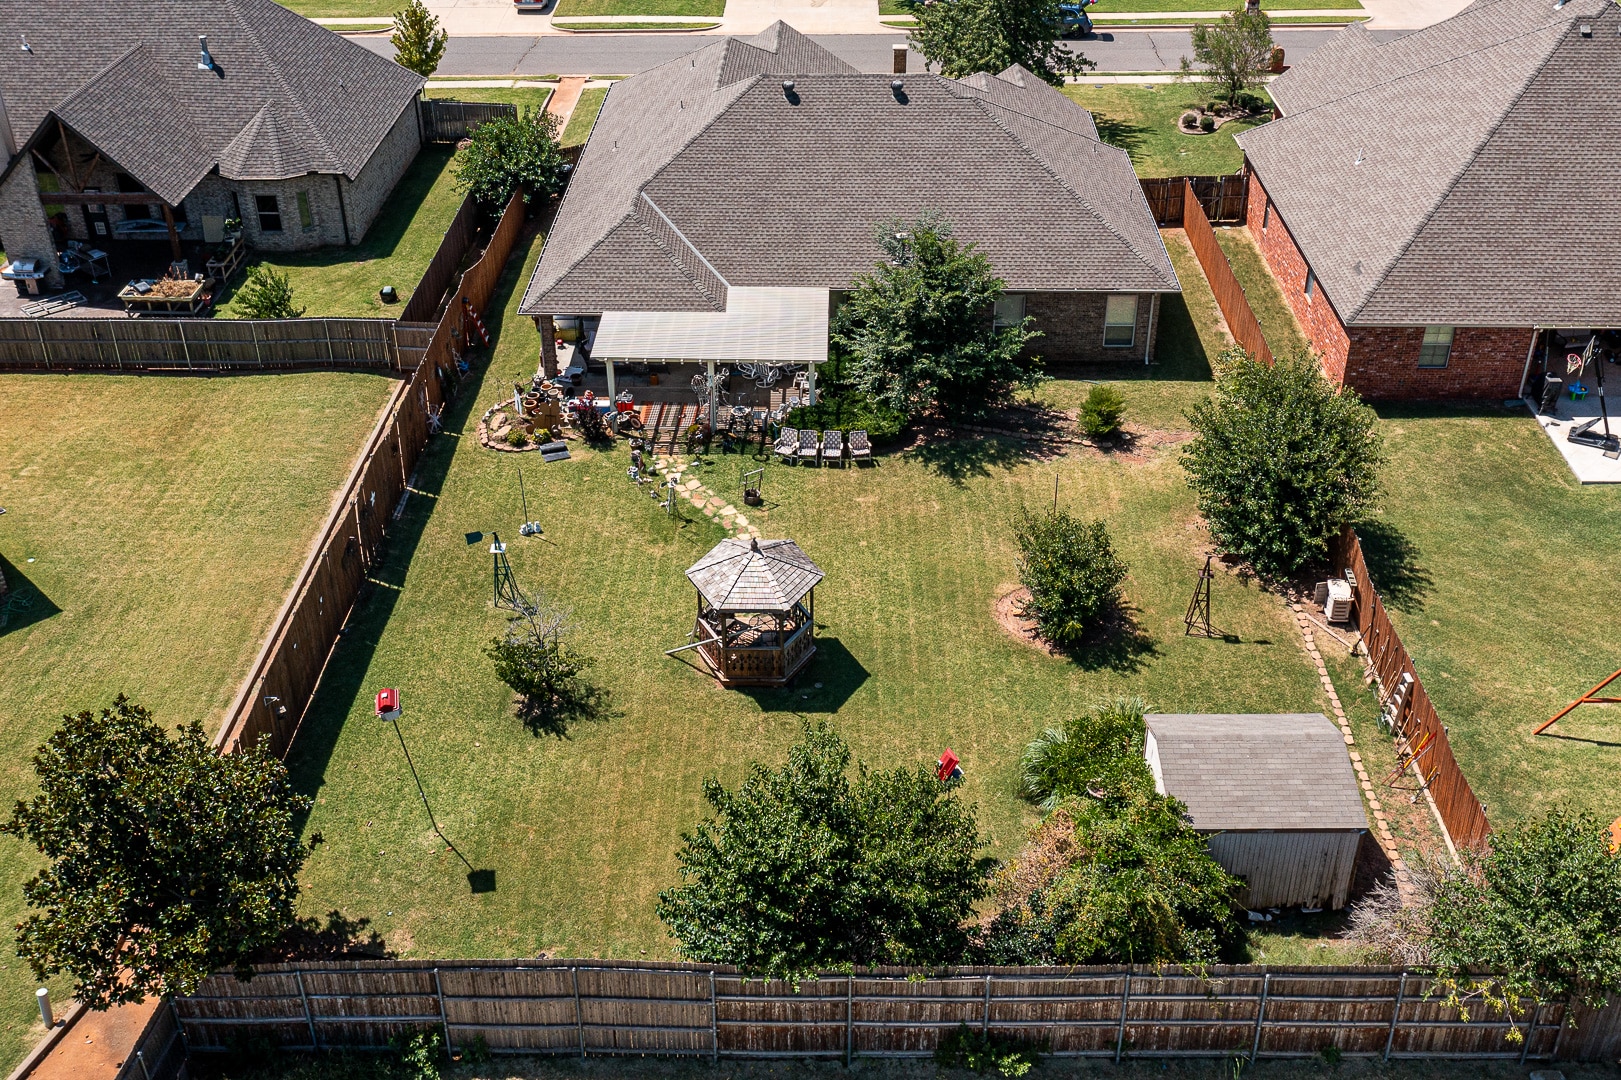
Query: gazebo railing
point(744, 662)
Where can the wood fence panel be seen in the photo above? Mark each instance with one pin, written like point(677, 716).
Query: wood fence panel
point(452, 121)
point(1230, 296)
point(1223, 198)
point(116, 344)
point(447, 259)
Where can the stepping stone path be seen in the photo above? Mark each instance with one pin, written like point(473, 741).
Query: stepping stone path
point(708, 502)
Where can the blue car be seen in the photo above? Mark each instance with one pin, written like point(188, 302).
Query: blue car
point(1076, 22)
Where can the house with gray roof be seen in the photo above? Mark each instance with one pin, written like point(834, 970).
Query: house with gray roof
point(1436, 207)
point(725, 199)
point(120, 116)
point(1275, 794)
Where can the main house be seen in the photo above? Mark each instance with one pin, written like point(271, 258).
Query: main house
point(160, 119)
point(1437, 208)
point(724, 201)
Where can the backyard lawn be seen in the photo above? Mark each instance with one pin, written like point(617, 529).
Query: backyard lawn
point(580, 832)
point(152, 527)
point(1142, 121)
point(584, 115)
point(1272, 311)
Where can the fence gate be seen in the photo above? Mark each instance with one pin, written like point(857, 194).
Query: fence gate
point(452, 121)
point(1223, 198)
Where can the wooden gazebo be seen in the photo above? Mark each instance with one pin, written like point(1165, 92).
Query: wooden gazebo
point(756, 621)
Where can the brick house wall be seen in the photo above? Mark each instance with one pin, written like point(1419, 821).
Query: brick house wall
point(1071, 324)
point(1382, 362)
point(23, 231)
point(364, 198)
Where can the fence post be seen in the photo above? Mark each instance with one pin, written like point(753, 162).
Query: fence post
point(253, 332)
point(985, 1022)
point(849, 1018)
point(1395, 1016)
point(112, 336)
point(180, 1029)
point(185, 350)
point(44, 349)
point(1125, 1003)
point(444, 1021)
point(1260, 1016)
point(579, 1019)
point(1530, 1029)
point(315, 1043)
point(326, 328)
point(714, 1025)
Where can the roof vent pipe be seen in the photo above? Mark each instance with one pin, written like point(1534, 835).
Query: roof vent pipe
point(788, 92)
point(1586, 29)
point(897, 86)
point(205, 62)
point(27, 48)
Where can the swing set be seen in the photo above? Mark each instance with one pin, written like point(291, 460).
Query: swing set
point(1589, 698)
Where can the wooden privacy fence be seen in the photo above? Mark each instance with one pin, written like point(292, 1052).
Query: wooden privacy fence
point(278, 688)
point(1419, 731)
point(453, 121)
point(423, 306)
point(1222, 198)
point(121, 344)
point(1230, 297)
point(606, 1007)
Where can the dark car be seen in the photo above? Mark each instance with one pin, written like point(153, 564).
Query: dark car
point(1076, 22)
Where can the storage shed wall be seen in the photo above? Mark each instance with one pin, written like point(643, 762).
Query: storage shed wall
point(1290, 869)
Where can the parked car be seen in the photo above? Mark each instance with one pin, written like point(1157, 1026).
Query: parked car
point(1076, 21)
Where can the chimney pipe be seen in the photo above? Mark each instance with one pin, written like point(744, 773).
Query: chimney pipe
point(899, 52)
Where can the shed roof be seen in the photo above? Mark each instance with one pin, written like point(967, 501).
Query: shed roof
point(754, 575)
point(1276, 771)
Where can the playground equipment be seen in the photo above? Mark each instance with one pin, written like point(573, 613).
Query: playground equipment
point(1589, 698)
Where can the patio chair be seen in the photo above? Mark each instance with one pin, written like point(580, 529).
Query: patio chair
point(787, 444)
point(808, 446)
point(860, 446)
point(833, 447)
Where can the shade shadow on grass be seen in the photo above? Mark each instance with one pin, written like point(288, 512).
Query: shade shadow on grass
point(1119, 645)
point(957, 459)
point(822, 686)
point(1123, 134)
point(1393, 563)
point(584, 703)
point(23, 604)
point(311, 938)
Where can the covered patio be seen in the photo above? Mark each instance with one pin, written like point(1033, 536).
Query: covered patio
point(1569, 375)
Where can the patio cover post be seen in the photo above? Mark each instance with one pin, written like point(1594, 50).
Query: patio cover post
point(712, 392)
point(613, 406)
point(810, 384)
point(174, 237)
point(1530, 354)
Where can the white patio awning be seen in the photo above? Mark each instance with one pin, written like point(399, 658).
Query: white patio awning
point(759, 326)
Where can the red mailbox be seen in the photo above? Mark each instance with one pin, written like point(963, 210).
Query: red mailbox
point(388, 704)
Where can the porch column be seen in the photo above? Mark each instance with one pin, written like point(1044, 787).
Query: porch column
point(548, 345)
point(810, 385)
point(713, 391)
point(174, 235)
point(613, 414)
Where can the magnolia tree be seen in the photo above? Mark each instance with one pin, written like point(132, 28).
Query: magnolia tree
point(512, 153)
point(962, 37)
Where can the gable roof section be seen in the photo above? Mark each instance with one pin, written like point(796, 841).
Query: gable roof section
point(741, 186)
point(1273, 771)
point(1454, 176)
point(289, 97)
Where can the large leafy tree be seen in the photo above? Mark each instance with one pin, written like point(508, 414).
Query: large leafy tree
point(919, 332)
point(418, 39)
point(1281, 460)
point(167, 861)
point(512, 153)
point(1235, 51)
point(805, 867)
point(963, 37)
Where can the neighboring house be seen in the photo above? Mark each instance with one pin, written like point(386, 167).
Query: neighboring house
point(1429, 204)
point(295, 131)
point(725, 199)
point(1276, 795)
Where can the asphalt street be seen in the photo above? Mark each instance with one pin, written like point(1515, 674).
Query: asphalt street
point(626, 54)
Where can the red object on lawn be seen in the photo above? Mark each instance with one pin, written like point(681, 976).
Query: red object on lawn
point(388, 704)
point(946, 766)
point(1589, 698)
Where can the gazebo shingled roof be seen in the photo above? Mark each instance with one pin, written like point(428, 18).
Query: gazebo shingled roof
point(754, 575)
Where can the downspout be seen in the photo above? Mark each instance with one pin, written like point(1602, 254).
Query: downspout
point(343, 211)
point(1148, 345)
point(1529, 354)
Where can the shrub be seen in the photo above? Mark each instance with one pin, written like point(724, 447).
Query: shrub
point(1281, 459)
point(547, 675)
point(842, 406)
point(512, 153)
point(266, 293)
point(1207, 123)
point(517, 437)
point(1103, 411)
point(1073, 575)
point(421, 1053)
point(1098, 754)
point(983, 1051)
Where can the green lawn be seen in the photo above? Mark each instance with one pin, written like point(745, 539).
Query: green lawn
point(1142, 121)
point(153, 526)
point(584, 115)
point(610, 28)
point(581, 832)
point(343, 9)
point(1107, 7)
point(343, 281)
point(1277, 320)
point(525, 97)
point(574, 8)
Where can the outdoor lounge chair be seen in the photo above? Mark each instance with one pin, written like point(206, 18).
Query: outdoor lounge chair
point(860, 446)
point(808, 446)
point(787, 444)
point(833, 447)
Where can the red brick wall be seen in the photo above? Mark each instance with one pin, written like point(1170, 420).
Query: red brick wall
point(1382, 362)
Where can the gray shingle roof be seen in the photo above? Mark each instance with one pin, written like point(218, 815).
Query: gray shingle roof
point(1264, 771)
point(738, 184)
point(289, 96)
point(754, 575)
point(1459, 175)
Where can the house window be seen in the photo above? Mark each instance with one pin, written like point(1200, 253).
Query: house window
point(1120, 322)
point(1437, 347)
point(1311, 283)
point(1266, 215)
point(269, 213)
point(306, 217)
point(1009, 311)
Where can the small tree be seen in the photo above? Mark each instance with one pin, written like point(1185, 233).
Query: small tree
point(167, 860)
point(418, 39)
point(1235, 50)
point(1281, 460)
point(1103, 412)
point(512, 153)
point(803, 868)
point(963, 37)
point(1073, 575)
point(1539, 912)
point(266, 293)
point(1098, 754)
point(918, 332)
point(544, 672)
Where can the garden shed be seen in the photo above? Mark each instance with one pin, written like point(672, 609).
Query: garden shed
point(1275, 794)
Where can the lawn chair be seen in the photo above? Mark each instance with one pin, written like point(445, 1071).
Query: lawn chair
point(787, 444)
point(833, 447)
point(860, 446)
point(808, 446)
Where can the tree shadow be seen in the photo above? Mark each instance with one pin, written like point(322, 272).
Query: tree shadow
point(1392, 561)
point(582, 703)
point(22, 604)
point(338, 937)
point(823, 686)
point(959, 457)
point(1117, 644)
point(1123, 134)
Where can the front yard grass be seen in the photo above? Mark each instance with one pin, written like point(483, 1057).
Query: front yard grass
point(1142, 121)
point(574, 8)
point(344, 9)
point(153, 526)
point(524, 97)
point(584, 115)
point(581, 832)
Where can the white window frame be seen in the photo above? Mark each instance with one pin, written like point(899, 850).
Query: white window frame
point(1136, 307)
point(1437, 340)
